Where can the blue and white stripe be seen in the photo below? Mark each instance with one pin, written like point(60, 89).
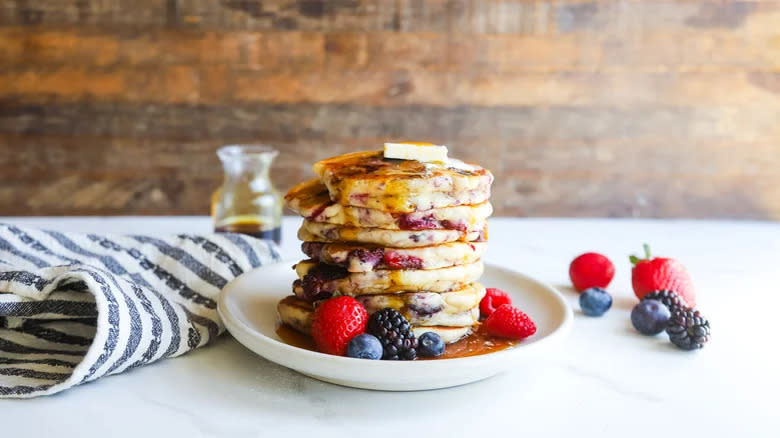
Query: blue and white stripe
point(76, 307)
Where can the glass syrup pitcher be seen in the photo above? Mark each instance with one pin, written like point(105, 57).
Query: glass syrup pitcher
point(247, 201)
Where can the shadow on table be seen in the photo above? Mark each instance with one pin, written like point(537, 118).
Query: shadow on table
point(250, 383)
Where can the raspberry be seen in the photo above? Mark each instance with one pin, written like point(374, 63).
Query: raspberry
point(408, 222)
point(396, 260)
point(492, 300)
point(318, 211)
point(368, 256)
point(509, 322)
point(336, 321)
point(591, 270)
point(361, 198)
point(457, 225)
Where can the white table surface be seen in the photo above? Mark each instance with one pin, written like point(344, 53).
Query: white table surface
point(605, 379)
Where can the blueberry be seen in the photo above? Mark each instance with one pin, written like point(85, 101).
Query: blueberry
point(429, 344)
point(365, 346)
point(650, 317)
point(595, 301)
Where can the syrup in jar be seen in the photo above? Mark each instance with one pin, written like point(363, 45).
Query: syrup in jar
point(252, 227)
point(247, 202)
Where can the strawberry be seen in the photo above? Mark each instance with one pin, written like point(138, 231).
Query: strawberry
point(509, 322)
point(492, 299)
point(336, 321)
point(659, 273)
point(591, 270)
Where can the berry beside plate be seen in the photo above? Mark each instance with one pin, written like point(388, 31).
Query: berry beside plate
point(591, 270)
point(595, 301)
point(652, 274)
point(663, 286)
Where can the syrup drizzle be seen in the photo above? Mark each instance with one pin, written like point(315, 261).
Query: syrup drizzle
point(475, 344)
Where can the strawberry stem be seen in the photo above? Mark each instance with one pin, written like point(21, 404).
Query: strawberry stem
point(634, 259)
point(647, 251)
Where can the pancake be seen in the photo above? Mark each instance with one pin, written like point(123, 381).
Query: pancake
point(362, 258)
point(317, 281)
point(297, 314)
point(323, 232)
point(449, 335)
point(367, 179)
point(457, 308)
point(312, 201)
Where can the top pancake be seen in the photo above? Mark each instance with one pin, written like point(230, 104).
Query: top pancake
point(311, 200)
point(367, 179)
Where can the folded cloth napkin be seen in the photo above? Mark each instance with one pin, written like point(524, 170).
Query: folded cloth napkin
point(76, 307)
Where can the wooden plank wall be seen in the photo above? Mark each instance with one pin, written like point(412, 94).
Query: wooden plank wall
point(581, 108)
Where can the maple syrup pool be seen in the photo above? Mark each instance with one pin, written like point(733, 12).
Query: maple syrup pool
point(475, 344)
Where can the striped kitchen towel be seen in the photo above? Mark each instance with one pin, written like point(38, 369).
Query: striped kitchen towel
point(76, 307)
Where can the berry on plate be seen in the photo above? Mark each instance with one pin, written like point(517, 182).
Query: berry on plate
point(492, 300)
point(335, 322)
point(650, 317)
point(430, 344)
point(652, 274)
point(365, 346)
point(591, 270)
point(595, 301)
point(395, 334)
point(509, 322)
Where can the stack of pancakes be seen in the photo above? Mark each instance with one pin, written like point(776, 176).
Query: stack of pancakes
point(393, 233)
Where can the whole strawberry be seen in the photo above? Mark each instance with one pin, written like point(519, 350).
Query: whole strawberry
point(509, 322)
point(591, 270)
point(659, 273)
point(336, 321)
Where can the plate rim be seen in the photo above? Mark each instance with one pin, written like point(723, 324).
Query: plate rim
point(234, 324)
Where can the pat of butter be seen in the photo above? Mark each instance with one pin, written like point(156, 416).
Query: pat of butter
point(425, 152)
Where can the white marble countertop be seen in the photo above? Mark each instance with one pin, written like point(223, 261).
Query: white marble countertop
point(604, 380)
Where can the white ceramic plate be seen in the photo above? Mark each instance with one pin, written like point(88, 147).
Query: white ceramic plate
point(248, 307)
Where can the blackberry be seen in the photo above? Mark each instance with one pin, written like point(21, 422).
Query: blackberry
point(688, 329)
point(318, 283)
point(669, 298)
point(312, 249)
point(395, 334)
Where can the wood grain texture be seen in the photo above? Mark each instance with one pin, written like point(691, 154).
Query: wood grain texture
point(580, 107)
